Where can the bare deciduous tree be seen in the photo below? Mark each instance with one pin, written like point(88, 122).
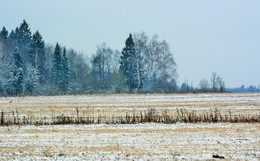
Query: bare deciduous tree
point(158, 61)
point(214, 82)
point(204, 85)
point(220, 84)
point(101, 63)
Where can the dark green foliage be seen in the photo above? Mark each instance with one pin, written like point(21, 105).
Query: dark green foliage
point(36, 48)
point(3, 43)
point(4, 33)
point(60, 70)
point(57, 65)
point(23, 39)
point(12, 35)
point(64, 84)
point(97, 68)
point(31, 79)
point(18, 73)
point(130, 65)
point(17, 59)
point(24, 34)
point(30, 67)
point(125, 59)
point(18, 81)
point(37, 55)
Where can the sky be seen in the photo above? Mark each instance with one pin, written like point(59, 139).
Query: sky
point(205, 36)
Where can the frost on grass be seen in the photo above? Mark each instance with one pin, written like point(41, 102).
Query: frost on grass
point(151, 141)
point(130, 142)
point(40, 107)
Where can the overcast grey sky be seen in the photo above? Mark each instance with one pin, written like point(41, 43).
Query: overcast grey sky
point(205, 36)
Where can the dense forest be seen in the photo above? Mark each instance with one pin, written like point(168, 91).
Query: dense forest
point(29, 66)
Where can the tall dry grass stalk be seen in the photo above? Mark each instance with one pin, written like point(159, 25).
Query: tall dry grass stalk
point(150, 115)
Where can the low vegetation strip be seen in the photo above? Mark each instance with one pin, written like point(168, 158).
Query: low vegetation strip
point(150, 115)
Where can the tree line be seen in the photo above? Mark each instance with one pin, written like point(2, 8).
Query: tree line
point(243, 88)
point(213, 85)
point(29, 66)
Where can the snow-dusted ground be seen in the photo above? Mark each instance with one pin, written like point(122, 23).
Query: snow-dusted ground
point(120, 104)
point(130, 142)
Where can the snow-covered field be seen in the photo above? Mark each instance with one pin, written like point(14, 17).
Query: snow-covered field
point(130, 142)
point(151, 141)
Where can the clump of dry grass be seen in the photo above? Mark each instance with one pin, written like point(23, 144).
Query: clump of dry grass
point(150, 115)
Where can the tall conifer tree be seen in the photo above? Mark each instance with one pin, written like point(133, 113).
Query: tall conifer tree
point(18, 73)
point(130, 65)
point(23, 36)
point(57, 65)
point(65, 72)
point(37, 55)
point(4, 33)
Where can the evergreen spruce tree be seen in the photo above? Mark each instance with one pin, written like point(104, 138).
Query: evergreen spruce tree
point(24, 34)
point(65, 72)
point(130, 65)
point(4, 33)
point(5, 46)
point(12, 35)
point(23, 37)
point(57, 66)
point(17, 59)
point(16, 35)
point(18, 80)
point(18, 73)
point(37, 55)
point(31, 79)
point(11, 38)
point(124, 59)
point(7, 77)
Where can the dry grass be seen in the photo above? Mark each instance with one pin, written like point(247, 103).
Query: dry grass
point(124, 108)
point(148, 116)
point(173, 127)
